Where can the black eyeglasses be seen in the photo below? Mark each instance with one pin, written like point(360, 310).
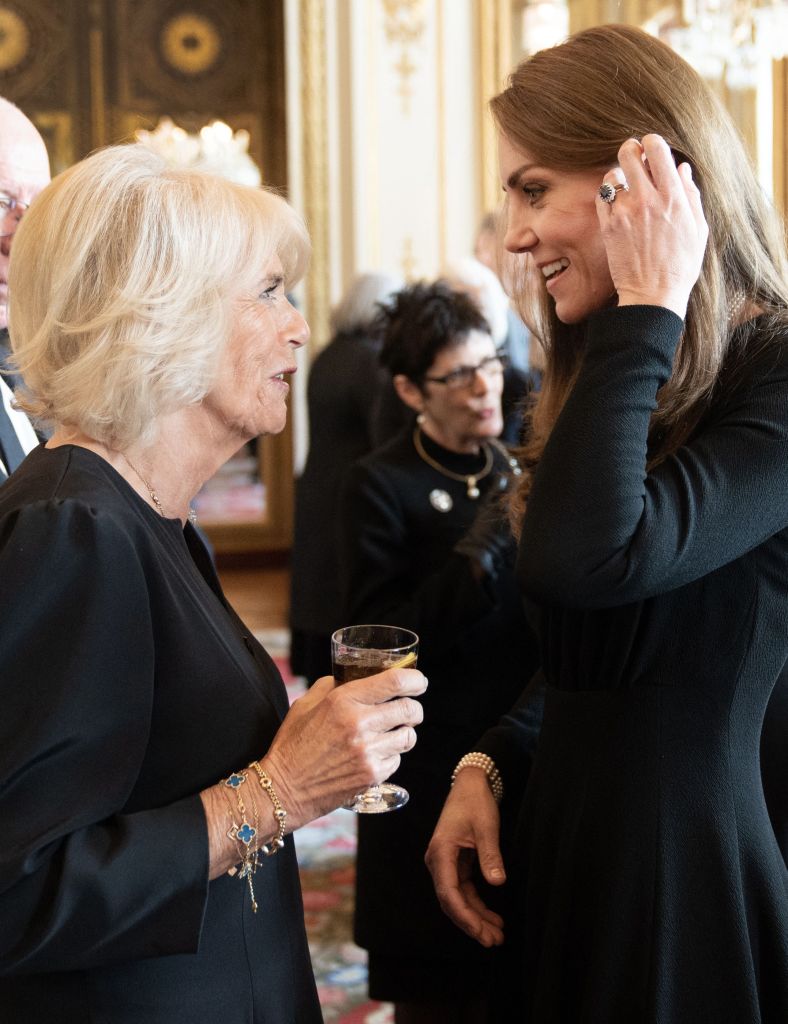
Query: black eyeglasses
point(464, 376)
point(11, 211)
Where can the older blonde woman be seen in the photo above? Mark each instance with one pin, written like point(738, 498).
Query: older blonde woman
point(150, 772)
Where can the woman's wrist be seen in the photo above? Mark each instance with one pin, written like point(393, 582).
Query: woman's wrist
point(274, 765)
point(222, 853)
point(481, 764)
point(674, 301)
point(226, 820)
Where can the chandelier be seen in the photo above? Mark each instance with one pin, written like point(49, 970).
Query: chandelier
point(729, 42)
point(543, 23)
point(726, 41)
point(214, 148)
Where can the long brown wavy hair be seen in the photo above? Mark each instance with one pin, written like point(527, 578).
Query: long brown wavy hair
point(571, 107)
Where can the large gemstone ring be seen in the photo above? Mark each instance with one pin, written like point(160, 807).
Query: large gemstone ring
point(607, 192)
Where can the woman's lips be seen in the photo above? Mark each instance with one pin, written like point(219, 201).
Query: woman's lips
point(551, 281)
point(554, 270)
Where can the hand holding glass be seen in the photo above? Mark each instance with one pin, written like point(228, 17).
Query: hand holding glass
point(361, 651)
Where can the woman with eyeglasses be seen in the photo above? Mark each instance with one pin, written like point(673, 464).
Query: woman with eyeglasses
point(417, 552)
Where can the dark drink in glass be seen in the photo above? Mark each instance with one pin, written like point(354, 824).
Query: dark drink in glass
point(349, 666)
point(361, 651)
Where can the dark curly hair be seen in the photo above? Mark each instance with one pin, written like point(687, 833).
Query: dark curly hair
point(419, 322)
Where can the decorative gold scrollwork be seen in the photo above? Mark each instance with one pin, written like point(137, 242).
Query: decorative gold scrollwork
point(404, 20)
point(190, 43)
point(14, 39)
point(404, 26)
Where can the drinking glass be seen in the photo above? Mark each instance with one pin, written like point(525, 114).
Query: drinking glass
point(360, 651)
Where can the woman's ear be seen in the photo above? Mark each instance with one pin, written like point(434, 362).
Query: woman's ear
point(408, 392)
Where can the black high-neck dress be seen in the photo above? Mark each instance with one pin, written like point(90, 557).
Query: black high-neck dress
point(127, 685)
point(400, 520)
point(647, 882)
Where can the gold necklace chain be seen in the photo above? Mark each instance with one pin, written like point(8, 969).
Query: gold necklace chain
point(191, 516)
point(470, 479)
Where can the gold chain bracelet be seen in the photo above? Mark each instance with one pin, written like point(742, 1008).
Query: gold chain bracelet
point(275, 844)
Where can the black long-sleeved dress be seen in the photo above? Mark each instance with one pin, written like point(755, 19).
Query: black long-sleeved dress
point(398, 535)
point(127, 685)
point(648, 882)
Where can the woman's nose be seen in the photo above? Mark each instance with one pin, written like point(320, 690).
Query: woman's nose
point(520, 236)
point(481, 382)
point(296, 329)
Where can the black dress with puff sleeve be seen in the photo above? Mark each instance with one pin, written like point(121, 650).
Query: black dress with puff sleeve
point(127, 685)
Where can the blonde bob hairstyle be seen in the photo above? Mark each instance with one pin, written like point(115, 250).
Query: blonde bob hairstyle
point(571, 107)
point(124, 280)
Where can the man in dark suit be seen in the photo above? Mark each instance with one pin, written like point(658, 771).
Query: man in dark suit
point(24, 172)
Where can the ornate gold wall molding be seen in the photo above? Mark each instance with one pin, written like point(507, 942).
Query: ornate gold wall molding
point(403, 20)
point(586, 13)
point(440, 110)
point(43, 56)
point(15, 43)
point(57, 129)
point(314, 91)
point(403, 24)
point(494, 20)
point(780, 151)
point(190, 43)
point(89, 72)
point(408, 259)
point(97, 77)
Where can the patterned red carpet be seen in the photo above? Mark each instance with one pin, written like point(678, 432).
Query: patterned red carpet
point(326, 855)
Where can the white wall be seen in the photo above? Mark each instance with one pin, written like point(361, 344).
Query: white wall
point(400, 119)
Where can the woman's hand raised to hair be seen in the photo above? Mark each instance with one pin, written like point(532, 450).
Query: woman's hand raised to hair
point(655, 233)
point(337, 740)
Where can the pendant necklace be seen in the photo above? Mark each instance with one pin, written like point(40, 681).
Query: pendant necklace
point(191, 516)
point(470, 480)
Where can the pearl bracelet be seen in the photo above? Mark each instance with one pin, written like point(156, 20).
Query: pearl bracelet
point(487, 765)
